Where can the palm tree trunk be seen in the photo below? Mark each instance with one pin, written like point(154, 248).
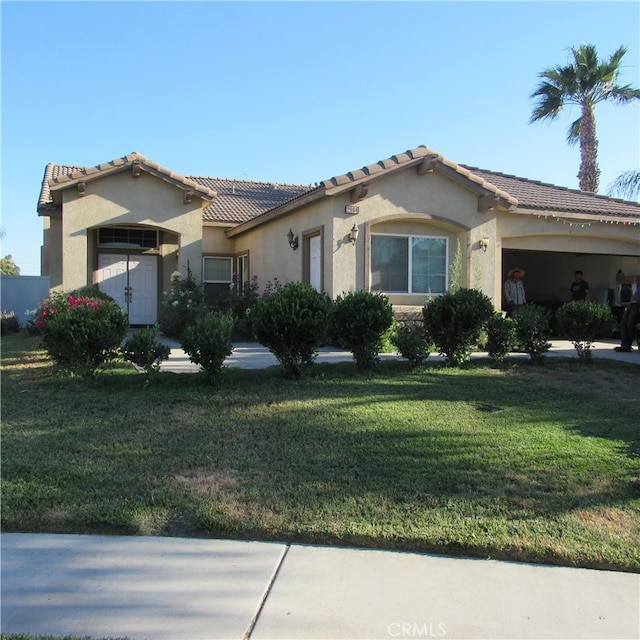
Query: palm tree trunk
point(589, 174)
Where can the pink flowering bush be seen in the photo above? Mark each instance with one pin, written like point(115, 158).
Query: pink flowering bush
point(79, 332)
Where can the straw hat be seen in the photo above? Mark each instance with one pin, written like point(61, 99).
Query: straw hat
point(512, 271)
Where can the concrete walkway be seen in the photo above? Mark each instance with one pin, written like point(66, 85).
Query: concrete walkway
point(251, 355)
point(193, 589)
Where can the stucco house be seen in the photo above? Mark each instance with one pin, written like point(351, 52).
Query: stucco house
point(393, 226)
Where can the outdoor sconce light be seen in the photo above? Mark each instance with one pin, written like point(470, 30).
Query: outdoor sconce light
point(293, 241)
point(353, 234)
point(484, 243)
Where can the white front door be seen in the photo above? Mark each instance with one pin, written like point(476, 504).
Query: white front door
point(132, 281)
point(315, 263)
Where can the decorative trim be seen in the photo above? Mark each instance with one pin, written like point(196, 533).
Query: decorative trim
point(359, 192)
point(427, 165)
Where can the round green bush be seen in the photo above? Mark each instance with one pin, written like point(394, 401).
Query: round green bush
point(455, 321)
point(358, 322)
point(207, 341)
point(143, 349)
point(533, 329)
point(583, 322)
point(412, 344)
point(292, 323)
point(501, 337)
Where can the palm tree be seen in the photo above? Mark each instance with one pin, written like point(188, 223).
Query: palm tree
point(626, 185)
point(583, 82)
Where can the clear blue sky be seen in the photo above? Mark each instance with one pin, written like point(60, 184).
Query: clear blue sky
point(294, 91)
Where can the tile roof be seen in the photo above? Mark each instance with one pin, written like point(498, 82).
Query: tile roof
point(414, 157)
point(238, 201)
point(540, 196)
point(52, 172)
point(61, 176)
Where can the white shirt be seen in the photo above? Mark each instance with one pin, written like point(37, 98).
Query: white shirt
point(514, 292)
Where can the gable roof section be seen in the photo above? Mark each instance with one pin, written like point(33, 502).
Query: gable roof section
point(240, 200)
point(425, 160)
point(60, 177)
point(542, 197)
point(495, 190)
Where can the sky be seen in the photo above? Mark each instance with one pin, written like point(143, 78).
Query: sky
point(294, 92)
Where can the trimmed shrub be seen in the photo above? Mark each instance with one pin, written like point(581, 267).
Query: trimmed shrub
point(455, 321)
point(292, 323)
point(80, 334)
point(358, 322)
point(207, 341)
point(583, 322)
point(182, 306)
point(501, 337)
point(144, 350)
point(412, 344)
point(533, 331)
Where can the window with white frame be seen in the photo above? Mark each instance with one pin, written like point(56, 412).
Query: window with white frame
point(408, 264)
point(216, 276)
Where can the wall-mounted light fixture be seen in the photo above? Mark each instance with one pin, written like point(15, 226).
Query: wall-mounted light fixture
point(353, 234)
point(293, 240)
point(484, 243)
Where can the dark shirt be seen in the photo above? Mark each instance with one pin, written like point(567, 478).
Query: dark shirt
point(579, 290)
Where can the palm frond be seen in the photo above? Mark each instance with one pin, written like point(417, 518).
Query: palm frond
point(626, 185)
point(573, 134)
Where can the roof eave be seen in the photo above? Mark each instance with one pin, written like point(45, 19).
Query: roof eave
point(134, 162)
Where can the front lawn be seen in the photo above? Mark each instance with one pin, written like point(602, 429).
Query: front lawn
point(529, 463)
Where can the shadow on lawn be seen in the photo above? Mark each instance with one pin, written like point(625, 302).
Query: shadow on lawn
point(288, 458)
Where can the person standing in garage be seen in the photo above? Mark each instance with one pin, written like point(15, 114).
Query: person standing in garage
point(579, 288)
point(514, 295)
point(630, 317)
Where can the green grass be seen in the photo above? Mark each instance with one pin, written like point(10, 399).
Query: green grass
point(527, 463)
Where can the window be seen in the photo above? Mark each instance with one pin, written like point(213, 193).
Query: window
point(130, 237)
point(216, 276)
point(408, 264)
point(242, 272)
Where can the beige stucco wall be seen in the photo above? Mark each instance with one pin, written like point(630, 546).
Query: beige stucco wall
point(121, 200)
point(403, 203)
point(51, 264)
point(406, 203)
point(270, 255)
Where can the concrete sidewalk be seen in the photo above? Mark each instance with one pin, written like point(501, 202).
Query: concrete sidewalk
point(251, 355)
point(188, 589)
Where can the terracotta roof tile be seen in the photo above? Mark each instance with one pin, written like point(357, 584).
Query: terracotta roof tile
point(238, 201)
point(58, 175)
point(242, 200)
point(52, 172)
point(413, 157)
point(540, 196)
